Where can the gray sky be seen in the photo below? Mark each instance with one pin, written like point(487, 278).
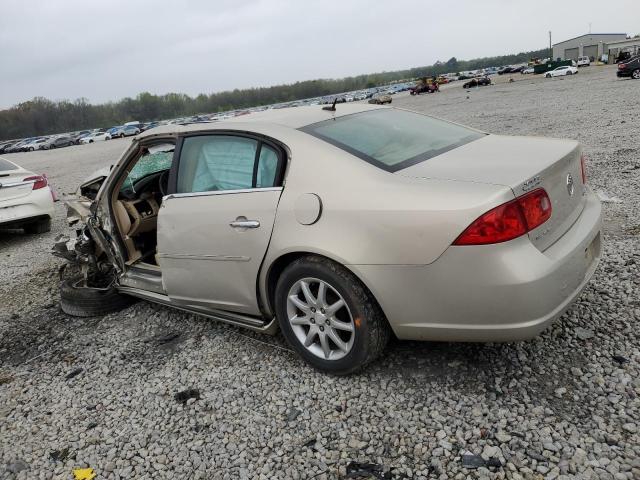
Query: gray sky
point(107, 50)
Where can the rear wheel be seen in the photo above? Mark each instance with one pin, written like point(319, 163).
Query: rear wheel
point(39, 226)
point(80, 300)
point(548, 75)
point(636, 74)
point(328, 316)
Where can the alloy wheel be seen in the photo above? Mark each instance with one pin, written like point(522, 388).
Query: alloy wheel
point(320, 318)
point(636, 74)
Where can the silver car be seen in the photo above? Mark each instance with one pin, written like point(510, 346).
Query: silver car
point(339, 226)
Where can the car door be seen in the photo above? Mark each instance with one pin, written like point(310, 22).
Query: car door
point(214, 230)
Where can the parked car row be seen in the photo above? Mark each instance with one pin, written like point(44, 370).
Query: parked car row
point(629, 67)
point(32, 144)
point(36, 143)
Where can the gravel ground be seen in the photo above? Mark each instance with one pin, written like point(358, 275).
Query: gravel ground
point(101, 392)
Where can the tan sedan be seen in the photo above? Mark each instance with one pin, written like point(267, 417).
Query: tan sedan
point(339, 228)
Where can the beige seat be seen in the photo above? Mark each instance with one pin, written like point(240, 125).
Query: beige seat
point(124, 225)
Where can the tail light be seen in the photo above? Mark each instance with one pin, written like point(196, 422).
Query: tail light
point(583, 169)
point(621, 66)
point(509, 220)
point(39, 181)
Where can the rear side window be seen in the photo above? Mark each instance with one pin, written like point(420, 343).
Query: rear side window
point(392, 139)
point(4, 165)
point(226, 162)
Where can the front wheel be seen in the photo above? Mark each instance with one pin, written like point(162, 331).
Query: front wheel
point(636, 74)
point(80, 300)
point(548, 75)
point(328, 316)
point(569, 73)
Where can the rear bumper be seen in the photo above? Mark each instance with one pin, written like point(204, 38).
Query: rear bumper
point(504, 292)
point(623, 73)
point(38, 204)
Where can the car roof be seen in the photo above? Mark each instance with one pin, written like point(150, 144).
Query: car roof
point(294, 117)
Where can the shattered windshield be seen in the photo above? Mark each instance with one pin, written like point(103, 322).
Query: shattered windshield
point(156, 159)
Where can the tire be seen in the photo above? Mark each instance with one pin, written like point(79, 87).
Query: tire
point(122, 135)
point(360, 312)
point(37, 227)
point(90, 141)
point(31, 149)
point(569, 73)
point(81, 301)
point(636, 74)
point(548, 75)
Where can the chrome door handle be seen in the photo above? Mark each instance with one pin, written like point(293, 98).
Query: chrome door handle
point(245, 224)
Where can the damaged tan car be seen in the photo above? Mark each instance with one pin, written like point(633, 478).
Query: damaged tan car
point(339, 226)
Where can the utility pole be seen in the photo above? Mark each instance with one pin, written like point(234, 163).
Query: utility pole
point(550, 47)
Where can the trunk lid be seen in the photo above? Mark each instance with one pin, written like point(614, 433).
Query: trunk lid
point(12, 184)
point(522, 164)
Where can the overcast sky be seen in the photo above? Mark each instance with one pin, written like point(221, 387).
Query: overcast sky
point(66, 49)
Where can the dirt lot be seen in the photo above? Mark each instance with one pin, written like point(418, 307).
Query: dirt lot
point(100, 392)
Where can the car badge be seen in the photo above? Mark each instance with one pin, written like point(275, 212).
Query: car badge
point(570, 184)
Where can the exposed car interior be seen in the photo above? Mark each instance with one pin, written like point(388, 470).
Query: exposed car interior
point(137, 199)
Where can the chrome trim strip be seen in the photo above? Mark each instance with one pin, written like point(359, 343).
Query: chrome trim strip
point(16, 184)
point(253, 323)
point(221, 192)
point(217, 258)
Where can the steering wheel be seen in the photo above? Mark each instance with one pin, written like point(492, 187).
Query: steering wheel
point(163, 182)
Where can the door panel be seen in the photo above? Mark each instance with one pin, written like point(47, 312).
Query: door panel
point(205, 260)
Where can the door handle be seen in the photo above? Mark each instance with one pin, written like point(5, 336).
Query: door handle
point(244, 223)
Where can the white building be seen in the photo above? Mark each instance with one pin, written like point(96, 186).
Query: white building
point(590, 45)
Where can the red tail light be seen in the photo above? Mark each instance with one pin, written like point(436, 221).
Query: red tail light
point(39, 181)
point(583, 169)
point(509, 220)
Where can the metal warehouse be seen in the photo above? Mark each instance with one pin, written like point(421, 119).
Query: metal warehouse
point(591, 45)
point(631, 45)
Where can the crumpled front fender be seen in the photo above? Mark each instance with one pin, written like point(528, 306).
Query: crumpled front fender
point(78, 209)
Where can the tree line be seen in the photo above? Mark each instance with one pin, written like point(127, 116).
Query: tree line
point(41, 116)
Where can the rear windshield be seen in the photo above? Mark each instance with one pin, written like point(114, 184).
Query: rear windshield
point(392, 139)
point(4, 165)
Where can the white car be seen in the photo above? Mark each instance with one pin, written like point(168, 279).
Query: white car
point(94, 137)
point(561, 71)
point(528, 70)
point(26, 200)
point(584, 61)
point(35, 145)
